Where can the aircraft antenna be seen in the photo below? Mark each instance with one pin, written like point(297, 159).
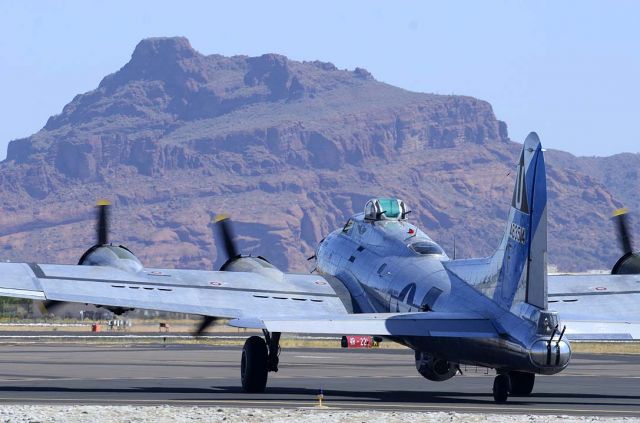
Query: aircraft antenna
point(454, 246)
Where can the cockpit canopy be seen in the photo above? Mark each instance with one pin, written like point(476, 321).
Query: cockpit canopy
point(385, 209)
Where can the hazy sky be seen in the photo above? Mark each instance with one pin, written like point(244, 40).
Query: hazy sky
point(567, 69)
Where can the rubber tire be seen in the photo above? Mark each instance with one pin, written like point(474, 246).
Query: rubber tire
point(253, 367)
point(501, 388)
point(522, 383)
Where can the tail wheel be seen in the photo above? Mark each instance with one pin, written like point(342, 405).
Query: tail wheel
point(522, 383)
point(254, 368)
point(501, 388)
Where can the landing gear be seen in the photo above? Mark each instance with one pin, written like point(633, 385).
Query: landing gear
point(501, 387)
point(253, 367)
point(273, 345)
point(521, 383)
point(518, 384)
point(259, 357)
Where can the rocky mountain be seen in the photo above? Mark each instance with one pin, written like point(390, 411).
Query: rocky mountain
point(290, 150)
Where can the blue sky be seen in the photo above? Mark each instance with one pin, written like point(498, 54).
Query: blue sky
point(566, 69)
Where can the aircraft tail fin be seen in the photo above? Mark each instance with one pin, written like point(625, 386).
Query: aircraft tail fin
point(521, 258)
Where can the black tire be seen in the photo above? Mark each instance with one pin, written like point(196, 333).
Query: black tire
point(522, 383)
point(501, 388)
point(253, 367)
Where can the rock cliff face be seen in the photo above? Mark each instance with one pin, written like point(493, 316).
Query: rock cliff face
point(290, 150)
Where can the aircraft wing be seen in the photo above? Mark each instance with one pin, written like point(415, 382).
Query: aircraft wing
point(435, 324)
point(209, 293)
point(597, 306)
point(297, 303)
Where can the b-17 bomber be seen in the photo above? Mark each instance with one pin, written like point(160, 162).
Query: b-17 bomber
point(379, 275)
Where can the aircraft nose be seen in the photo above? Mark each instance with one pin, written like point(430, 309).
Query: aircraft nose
point(550, 356)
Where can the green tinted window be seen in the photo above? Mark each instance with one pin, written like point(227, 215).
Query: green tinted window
point(390, 207)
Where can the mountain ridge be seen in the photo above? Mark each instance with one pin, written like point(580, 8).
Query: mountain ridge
point(290, 149)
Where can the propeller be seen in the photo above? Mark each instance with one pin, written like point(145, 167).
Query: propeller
point(222, 223)
point(103, 222)
point(50, 306)
point(204, 325)
point(620, 217)
point(225, 232)
point(629, 263)
point(102, 229)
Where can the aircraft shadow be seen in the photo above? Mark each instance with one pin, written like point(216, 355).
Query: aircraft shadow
point(435, 397)
point(336, 396)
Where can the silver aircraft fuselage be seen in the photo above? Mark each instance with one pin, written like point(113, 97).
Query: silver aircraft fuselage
point(374, 262)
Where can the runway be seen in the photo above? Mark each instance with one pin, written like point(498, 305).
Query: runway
point(350, 379)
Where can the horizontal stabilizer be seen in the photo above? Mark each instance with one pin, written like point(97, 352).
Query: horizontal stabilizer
point(601, 331)
point(434, 324)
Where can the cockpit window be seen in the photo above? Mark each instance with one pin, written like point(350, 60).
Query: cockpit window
point(347, 226)
point(385, 209)
point(547, 323)
point(390, 207)
point(426, 248)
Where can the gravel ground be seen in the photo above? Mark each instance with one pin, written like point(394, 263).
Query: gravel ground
point(169, 414)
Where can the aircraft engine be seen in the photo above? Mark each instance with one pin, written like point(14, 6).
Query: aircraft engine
point(629, 263)
point(435, 369)
point(103, 253)
point(251, 264)
point(119, 257)
point(241, 263)
point(236, 262)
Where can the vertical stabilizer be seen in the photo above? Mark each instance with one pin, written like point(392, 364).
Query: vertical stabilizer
point(522, 275)
point(517, 272)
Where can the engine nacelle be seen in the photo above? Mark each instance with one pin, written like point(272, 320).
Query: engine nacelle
point(433, 368)
point(629, 264)
point(251, 264)
point(119, 257)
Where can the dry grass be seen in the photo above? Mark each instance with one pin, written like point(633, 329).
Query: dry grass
point(624, 347)
point(184, 327)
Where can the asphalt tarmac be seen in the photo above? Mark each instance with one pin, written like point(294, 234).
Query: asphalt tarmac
point(349, 379)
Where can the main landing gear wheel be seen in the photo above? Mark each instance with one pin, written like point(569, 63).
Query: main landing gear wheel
point(501, 388)
point(259, 357)
point(522, 383)
point(253, 367)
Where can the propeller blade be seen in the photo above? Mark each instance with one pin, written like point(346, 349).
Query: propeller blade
point(50, 306)
point(204, 325)
point(223, 223)
point(620, 216)
point(103, 222)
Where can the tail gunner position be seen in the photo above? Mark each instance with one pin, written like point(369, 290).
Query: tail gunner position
point(379, 275)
